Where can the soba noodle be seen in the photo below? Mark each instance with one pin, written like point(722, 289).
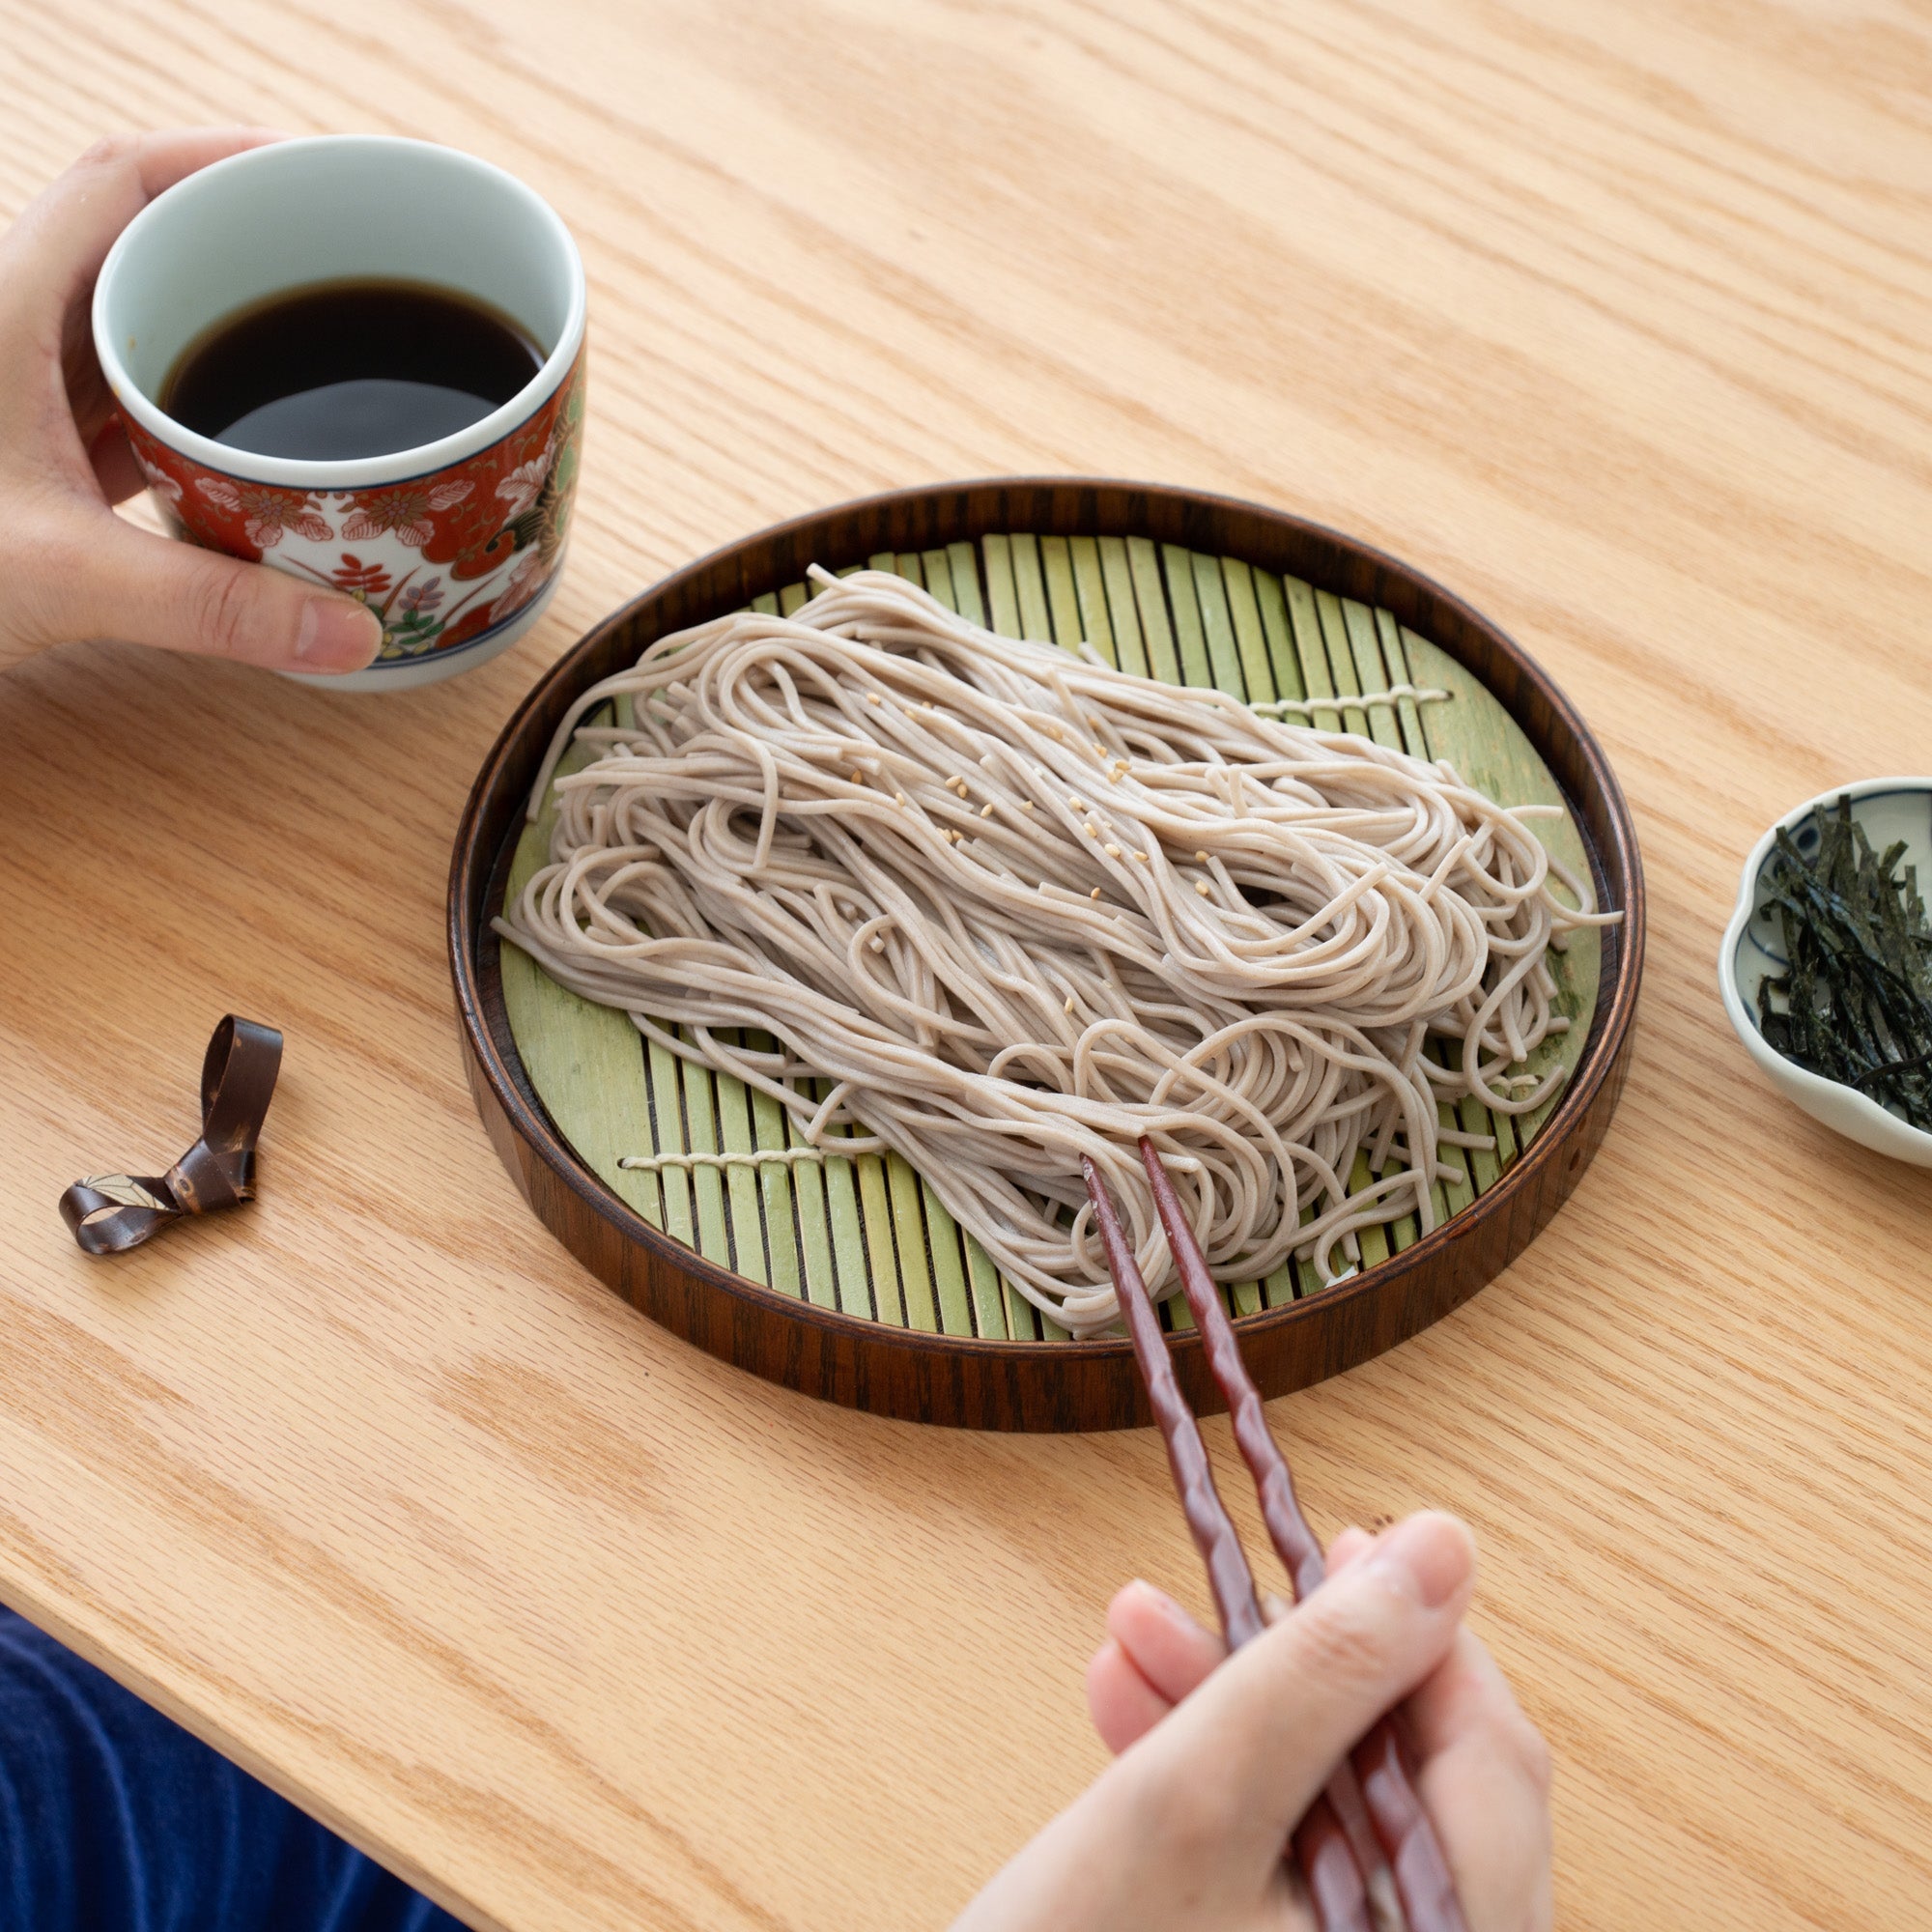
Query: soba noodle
point(1001, 906)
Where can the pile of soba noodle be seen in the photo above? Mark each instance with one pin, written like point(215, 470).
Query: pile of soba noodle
point(1001, 906)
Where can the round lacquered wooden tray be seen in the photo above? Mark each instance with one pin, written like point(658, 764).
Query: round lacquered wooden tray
point(849, 1280)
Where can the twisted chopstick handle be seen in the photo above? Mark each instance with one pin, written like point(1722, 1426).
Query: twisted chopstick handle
point(1402, 1827)
point(1207, 1520)
point(1408, 1841)
point(1322, 1849)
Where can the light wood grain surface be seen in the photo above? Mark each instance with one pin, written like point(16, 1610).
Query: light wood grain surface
point(1613, 315)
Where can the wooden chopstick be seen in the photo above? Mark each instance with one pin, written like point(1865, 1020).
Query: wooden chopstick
point(1228, 1576)
point(1321, 1847)
point(1402, 1827)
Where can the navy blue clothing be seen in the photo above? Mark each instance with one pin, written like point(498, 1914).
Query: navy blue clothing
point(113, 1819)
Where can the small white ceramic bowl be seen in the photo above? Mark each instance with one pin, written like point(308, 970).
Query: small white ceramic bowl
point(1889, 809)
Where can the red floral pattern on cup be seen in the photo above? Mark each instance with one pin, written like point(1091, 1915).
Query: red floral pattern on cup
point(265, 513)
point(494, 523)
point(409, 509)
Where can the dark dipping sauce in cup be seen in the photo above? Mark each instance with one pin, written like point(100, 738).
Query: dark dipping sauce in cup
point(344, 369)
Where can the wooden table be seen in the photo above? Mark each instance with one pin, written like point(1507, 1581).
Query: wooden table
point(1615, 318)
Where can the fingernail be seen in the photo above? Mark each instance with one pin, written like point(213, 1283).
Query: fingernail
point(1428, 1557)
point(1160, 1601)
point(337, 635)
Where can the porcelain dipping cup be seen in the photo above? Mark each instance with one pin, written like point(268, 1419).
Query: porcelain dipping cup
point(455, 545)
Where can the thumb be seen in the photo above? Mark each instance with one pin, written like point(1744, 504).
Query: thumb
point(58, 243)
point(1266, 1731)
point(155, 590)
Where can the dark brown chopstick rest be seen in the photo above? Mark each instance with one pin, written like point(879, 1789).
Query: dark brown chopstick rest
point(109, 1213)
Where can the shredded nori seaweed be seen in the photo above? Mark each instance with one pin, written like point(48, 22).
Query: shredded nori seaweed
point(1857, 992)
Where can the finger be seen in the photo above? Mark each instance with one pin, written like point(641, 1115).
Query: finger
point(153, 590)
point(115, 468)
point(1167, 1646)
point(1343, 1551)
point(1122, 1704)
point(1347, 1546)
point(56, 248)
point(1483, 1779)
point(1265, 1733)
point(1469, 1695)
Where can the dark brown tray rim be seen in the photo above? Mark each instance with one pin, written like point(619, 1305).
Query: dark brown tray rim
point(911, 520)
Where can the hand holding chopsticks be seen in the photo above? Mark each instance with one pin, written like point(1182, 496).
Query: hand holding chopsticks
point(1328, 1863)
point(1218, 1758)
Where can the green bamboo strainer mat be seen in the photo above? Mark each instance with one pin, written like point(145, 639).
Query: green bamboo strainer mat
point(866, 1234)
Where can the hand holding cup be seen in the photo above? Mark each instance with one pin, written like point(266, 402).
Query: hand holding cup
point(71, 567)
